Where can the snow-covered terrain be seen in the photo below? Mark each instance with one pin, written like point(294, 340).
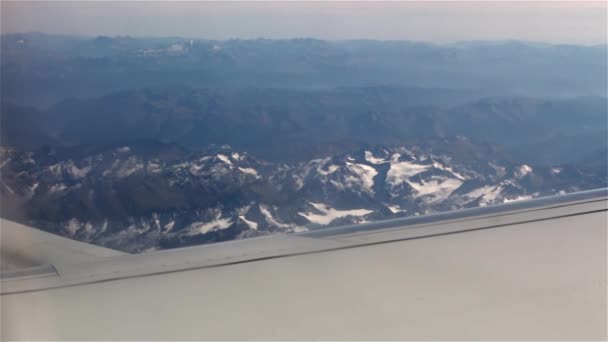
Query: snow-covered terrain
point(125, 199)
point(324, 214)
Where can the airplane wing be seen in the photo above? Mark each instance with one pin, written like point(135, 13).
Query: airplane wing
point(526, 270)
point(25, 248)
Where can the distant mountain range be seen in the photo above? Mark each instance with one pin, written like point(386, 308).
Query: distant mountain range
point(148, 196)
point(41, 70)
point(291, 125)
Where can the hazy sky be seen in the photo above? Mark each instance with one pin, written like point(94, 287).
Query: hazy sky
point(555, 22)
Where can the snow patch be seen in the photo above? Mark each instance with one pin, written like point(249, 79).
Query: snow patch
point(448, 169)
point(203, 228)
point(33, 187)
point(169, 226)
point(55, 170)
point(78, 173)
point(72, 227)
point(363, 176)
point(8, 188)
point(437, 189)
point(487, 194)
point(370, 158)
point(556, 170)
point(501, 171)
point(523, 171)
point(154, 167)
point(251, 224)
point(298, 182)
point(270, 219)
point(475, 194)
point(328, 214)
point(518, 198)
point(195, 168)
point(331, 169)
point(491, 196)
point(395, 209)
point(249, 171)
point(224, 159)
point(129, 167)
point(57, 187)
point(104, 226)
point(400, 172)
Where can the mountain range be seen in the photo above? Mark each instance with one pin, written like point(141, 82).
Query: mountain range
point(147, 196)
point(40, 70)
point(287, 125)
point(149, 143)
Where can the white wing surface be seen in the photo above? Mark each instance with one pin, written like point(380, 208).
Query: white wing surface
point(526, 270)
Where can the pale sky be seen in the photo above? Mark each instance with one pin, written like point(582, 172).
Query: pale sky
point(575, 22)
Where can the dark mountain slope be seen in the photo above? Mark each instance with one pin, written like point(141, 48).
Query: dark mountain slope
point(298, 125)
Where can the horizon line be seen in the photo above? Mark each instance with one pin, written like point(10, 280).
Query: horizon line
point(405, 40)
